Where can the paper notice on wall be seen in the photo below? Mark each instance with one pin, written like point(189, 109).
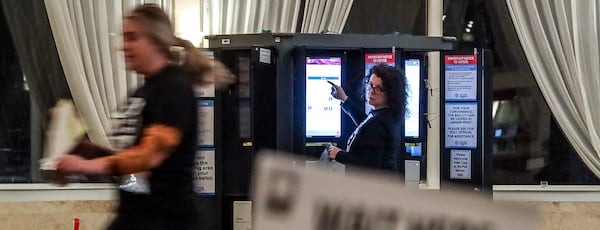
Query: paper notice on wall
point(461, 77)
point(295, 198)
point(206, 123)
point(461, 125)
point(460, 164)
point(204, 172)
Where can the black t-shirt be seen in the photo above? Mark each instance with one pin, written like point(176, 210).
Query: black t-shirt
point(166, 98)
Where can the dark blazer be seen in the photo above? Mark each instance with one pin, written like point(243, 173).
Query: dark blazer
point(377, 142)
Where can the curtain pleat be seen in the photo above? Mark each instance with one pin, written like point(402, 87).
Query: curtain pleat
point(325, 15)
point(244, 17)
point(88, 41)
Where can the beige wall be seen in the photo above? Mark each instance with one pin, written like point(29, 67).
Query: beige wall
point(568, 215)
point(55, 214)
point(565, 215)
point(96, 214)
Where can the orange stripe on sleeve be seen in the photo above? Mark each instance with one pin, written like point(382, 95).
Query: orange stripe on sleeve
point(156, 144)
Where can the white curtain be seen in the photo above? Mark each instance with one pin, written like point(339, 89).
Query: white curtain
point(243, 17)
point(560, 39)
point(328, 16)
point(87, 36)
point(278, 16)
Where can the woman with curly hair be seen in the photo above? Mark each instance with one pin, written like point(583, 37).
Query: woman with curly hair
point(378, 140)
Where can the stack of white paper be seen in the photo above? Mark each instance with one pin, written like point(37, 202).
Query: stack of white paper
point(64, 132)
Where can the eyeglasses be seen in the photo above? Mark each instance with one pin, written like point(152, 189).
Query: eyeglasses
point(375, 89)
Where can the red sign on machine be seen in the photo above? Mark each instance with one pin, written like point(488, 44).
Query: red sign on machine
point(461, 60)
point(373, 59)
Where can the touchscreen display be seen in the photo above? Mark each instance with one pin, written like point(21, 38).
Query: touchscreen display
point(412, 70)
point(323, 112)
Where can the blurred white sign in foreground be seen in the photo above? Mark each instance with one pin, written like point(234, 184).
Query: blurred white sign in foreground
point(290, 197)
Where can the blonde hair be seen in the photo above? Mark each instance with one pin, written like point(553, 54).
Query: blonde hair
point(158, 28)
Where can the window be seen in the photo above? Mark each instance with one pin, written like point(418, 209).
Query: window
point(528, 146)
point(31, 81)
point(15, 154)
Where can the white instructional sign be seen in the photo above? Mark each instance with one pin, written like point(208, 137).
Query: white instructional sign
point(461, 125)
point(264, 55)
point(204, 171)
point(206, 123)
point(209, 89)
point(204, 90)
point(460, 164)
point(295, 198)
point(461, 77)
point(242, 215)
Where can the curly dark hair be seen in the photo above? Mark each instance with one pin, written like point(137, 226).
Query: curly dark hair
point(394, 86)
